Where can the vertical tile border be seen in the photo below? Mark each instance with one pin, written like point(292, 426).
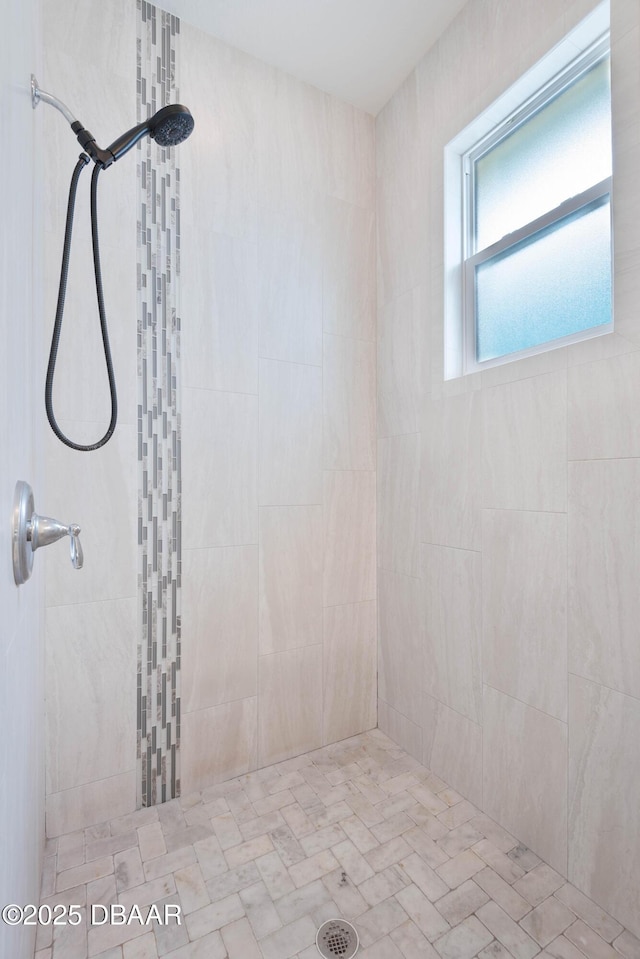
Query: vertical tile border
point(159, 512)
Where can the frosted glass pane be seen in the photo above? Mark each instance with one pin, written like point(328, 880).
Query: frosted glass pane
point(556, 154)
point(556, 284)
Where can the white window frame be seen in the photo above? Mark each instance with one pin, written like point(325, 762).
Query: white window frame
point(576, 54)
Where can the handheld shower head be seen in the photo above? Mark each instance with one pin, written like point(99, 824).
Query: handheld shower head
point(168, 127)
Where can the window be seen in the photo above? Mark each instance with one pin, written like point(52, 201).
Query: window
point(530, 245)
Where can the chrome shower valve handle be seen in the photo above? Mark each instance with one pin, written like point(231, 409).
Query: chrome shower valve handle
point(77, 556)
point(31, 531)
point(43, 530)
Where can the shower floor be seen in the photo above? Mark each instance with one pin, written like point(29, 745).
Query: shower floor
point(358, 830)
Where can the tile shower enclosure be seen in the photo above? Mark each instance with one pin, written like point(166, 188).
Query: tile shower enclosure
point(527, 708)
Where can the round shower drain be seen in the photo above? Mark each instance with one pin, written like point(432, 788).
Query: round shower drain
point(335, 937)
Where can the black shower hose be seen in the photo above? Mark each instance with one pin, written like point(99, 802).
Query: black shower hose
point(62, 289)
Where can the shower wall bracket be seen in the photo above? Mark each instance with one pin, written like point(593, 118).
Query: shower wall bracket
point(31, 531)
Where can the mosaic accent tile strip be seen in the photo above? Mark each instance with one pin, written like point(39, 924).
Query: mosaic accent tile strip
point(159, 514)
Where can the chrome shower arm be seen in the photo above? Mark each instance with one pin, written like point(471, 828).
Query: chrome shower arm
point(87, 141)
point(37, 95)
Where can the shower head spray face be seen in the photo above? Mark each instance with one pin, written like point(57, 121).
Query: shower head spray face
point(171, 125)
point(168, 127)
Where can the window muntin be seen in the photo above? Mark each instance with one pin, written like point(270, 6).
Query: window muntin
point(531, 176)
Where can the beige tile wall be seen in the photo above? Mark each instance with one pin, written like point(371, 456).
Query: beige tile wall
point(278, 312)
point(520, 619)
point(91, 615)
point(278, 309)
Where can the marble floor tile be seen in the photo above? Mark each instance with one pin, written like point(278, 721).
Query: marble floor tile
point(350, 903)
point(502, 893)
point(588, 941)
point(380, 920)
point(239, 941)
point(539, 883)
point(561, 948)
point(507, 932)
point(627, 945)
point(506, 868)
point(260, 909)
point(426, 917)
point(411, 943)
point(464, 941)
point(462, 902)
point(306, 900)
point(547, 921)
point(592, 914)
point(462, 867)
point(358, 830)
point(424, 877)
point(382, 949)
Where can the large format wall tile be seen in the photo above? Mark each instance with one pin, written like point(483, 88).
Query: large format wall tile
point(398, 491)
point(350, 670)
point(395, 127)
point(402, 201)
point(603, 421)
point(349, 537)
point(400, 729)
point(452, 586)
point(451, 469)
point(349, 392)
point(525, 444)
point(220, 497)
point(352, 155)
point(100, 498)
point(97, 33)
point(348, 291)
point(290, 577)
point(292, 144)
point(290, 703)
point(524, 607)
point(625, 70)
point(604, 784)
point(219, 170)
point(90, 804)
point(452, 747)
point(290, 288)
point(402, 652)
point(403, 363)
point(219, 341)
point(81, 346)
point(218, 743)
point(604, 553)
point(91, 673)
point(219, 626)
point(290, 443)
point(525, 772)
point(536, 365)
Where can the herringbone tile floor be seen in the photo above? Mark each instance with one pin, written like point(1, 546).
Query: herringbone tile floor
point(358, 830)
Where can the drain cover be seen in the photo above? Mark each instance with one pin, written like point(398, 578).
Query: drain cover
point(336, 937)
